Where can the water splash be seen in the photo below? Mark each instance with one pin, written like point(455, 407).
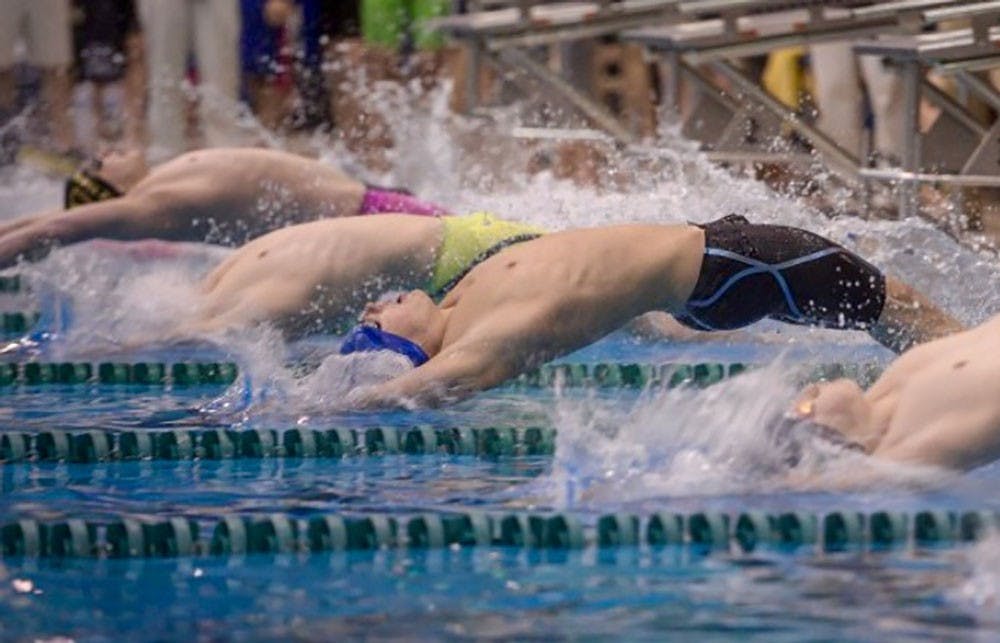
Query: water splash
point(270, 391)
point(980, 588)
point(725, 439)
point(669, 443)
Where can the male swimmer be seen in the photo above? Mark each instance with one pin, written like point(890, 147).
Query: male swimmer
point(937, 404)
point(224, 196)
point(543, 298)
point(315, 276)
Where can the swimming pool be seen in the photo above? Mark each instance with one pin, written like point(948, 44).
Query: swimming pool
point(794, 560)
point(900, 588)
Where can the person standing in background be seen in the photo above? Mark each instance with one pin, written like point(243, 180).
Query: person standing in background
point(46, 28)
point(841, 105)
point(173, 29)
point(282, 50)
point(107, 44)
point(265, 59)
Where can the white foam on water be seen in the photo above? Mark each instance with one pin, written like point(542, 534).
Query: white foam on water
point(673, 442)
point(978, 589)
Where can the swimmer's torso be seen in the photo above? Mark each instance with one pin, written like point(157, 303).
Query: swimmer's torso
point(243, 193)
point(568, 289)
point(323, 271)
point(953, 382)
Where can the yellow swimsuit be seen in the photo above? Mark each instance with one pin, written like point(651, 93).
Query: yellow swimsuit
point(469, 240)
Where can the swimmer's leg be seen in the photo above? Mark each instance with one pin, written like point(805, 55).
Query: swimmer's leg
point(909, 318)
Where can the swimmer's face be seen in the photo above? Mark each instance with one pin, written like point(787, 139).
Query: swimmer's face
point(123, 169)
point(412, 315)
point(839, 405)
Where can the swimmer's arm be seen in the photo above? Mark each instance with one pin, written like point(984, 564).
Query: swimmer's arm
point(449, 377)
point(958, 438)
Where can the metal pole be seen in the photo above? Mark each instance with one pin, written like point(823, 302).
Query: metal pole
point(980, 88)
point(826, 146)
point(908, 191)
point(596, 113)
point(472, 76)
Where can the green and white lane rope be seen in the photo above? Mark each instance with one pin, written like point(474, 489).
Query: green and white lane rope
point(600, 375)
point(276, 533)
point(142, 373)
point(101, 445)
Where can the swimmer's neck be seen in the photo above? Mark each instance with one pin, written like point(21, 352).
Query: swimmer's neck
point(435, 336)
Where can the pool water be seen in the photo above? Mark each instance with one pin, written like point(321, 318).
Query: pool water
point(490, 594)
point(771, 593)
point(617, 450)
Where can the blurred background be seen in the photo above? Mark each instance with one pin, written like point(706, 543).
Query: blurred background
point(78, 77)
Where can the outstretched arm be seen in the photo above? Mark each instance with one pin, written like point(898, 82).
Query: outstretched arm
point(909, 318)
point(448, 377)
point(32, 237)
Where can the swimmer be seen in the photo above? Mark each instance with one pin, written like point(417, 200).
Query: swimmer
point(543, 298)
point(937, 404)
point(315, 276)
point(224, 196)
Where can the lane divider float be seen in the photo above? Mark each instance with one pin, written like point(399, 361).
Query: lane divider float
point(101, 445)
point(601, 374)
point(277, 533)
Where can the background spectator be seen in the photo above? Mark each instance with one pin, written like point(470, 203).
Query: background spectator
point(265, 58)
point(210, 30)
point(45, 28)
point(106, 41)
point(841, 103)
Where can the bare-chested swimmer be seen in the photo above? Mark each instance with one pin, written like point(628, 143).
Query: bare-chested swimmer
point(543, 298)
point(315, 276)
point(937, 404)
point(225, 196)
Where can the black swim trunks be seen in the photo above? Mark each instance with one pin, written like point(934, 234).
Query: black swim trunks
point(752, 271)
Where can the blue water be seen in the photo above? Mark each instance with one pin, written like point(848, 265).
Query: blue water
point(617, 450)
point(493, 594)
point(486, 593)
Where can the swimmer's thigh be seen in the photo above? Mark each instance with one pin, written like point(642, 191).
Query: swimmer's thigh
point(822, 283)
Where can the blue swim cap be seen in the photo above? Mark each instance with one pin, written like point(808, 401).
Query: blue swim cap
point(365, 338)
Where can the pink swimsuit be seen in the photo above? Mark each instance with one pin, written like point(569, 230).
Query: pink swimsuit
point(380, 200)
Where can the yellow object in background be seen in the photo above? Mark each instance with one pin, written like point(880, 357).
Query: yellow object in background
point(784, 76)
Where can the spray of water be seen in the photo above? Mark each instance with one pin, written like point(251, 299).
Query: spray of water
point(980, 590)
point(671, 442)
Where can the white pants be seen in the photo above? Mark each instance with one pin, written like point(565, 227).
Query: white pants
point(47, 32)
point(209, 28)
point(838, 96)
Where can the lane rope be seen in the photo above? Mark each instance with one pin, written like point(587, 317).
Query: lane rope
point(129, 536)
point(102, 445)
point(600, 374)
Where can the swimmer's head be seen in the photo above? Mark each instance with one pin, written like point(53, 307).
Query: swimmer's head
point(124, 169)
point(366, 338)
point(412, 315)
point(839, 405)
point(105, 177)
